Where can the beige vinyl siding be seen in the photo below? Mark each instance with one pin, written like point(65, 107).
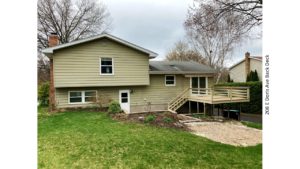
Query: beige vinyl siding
point(157, 94)
point(210, 82)
point(79, 66)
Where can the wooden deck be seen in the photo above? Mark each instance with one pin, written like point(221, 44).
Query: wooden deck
point(220, 95)
point(217, 99)
point(216, 95)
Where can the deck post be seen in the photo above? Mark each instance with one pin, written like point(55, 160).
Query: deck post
point(212, 95)
point(204, 109)
point(189, 106)
point(248, 94)
point(230, 94)
point(239, 117)
point(222, 109)
point(197, 107)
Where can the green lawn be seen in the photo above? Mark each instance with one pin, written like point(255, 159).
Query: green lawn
point(253, 125)
point(94, 140)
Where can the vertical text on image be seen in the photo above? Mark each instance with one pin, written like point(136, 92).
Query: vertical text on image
point(267, 85)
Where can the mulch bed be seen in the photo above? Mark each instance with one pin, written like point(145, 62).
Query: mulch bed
point(162, 119)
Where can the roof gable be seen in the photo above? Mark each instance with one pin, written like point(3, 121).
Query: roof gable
point(50, 50)
point(258, 58)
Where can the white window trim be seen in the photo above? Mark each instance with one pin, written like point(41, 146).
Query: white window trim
point(128, 98)
point(70, 97)
point(82, 96)
point(170, 84)
point(113, 68)
point(89, 96)
point(206, 82)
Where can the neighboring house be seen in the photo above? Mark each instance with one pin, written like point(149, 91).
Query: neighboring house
point(105, 68)
point(239, 71)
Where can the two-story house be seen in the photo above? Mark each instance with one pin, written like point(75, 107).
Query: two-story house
point(106, 67)
point(239, 71)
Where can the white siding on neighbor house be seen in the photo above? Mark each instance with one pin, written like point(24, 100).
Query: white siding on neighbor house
point(238, 73)
point(256, 65)
point(79, 66)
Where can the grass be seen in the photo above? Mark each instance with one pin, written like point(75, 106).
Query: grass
point(42, 112)
point(252, 124)
point(94, 140)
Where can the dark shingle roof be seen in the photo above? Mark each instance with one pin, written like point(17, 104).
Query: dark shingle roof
point(178, 67)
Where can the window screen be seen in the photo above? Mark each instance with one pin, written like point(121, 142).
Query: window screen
point(170, 80)
point(106, 66)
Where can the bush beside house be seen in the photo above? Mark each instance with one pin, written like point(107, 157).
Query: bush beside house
point(255, 104)
point(114, 107)
point(43, 94)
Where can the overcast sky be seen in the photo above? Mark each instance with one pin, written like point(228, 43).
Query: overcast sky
point(157, 25)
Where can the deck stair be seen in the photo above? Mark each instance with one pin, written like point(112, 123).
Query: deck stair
point(178, 101)
point(190, 121)
point(217, 95)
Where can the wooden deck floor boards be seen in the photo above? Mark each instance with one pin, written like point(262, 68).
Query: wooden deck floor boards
point(217, 99)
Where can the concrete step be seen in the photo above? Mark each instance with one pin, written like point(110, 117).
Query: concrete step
point(190, 121)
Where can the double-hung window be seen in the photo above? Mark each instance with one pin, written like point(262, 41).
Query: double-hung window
point(75, 97)
point(82, 96)
point(106, 66)
point(170, 80)
point(89, 96)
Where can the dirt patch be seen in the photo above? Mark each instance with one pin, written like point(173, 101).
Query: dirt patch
point(161, 119)
point(230, 132)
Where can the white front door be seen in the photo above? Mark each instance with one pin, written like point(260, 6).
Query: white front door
point(124, 100)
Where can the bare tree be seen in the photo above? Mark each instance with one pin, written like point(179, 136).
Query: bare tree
point(214, 40)
point(182, 52)
point(71, 20)
point(43, 69)
point(251, 10)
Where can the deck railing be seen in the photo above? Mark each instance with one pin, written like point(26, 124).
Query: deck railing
point(231, 93)
point(210, 95)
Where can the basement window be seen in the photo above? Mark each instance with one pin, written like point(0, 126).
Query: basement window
point(89, 96)
point(106, 66)
point(82, 96)
point(170, 80)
